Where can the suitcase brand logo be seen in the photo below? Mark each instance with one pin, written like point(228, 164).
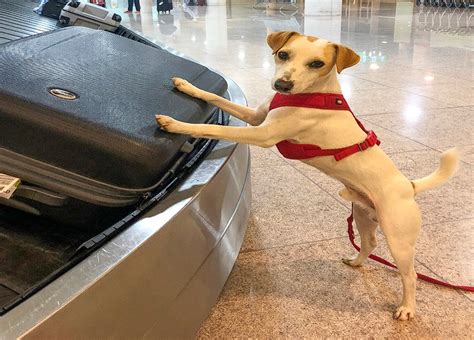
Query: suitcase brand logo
point(63, 94)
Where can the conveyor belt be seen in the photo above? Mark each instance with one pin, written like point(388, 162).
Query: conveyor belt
point(17, 20)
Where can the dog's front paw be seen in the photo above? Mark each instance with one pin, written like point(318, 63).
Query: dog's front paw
point(185, 87)
point(404, 313)
point(167, 123)
point(179, 82)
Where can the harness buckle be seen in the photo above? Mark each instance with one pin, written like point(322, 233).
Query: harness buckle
point(369, 142)
point(363, 146)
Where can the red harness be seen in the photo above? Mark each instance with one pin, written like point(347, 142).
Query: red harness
point(328, 101)
point(333, 101)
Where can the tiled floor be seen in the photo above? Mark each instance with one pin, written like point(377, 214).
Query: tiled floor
point(414, 88)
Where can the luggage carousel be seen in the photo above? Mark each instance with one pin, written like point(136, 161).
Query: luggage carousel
point(159, 276)
point(162, 275)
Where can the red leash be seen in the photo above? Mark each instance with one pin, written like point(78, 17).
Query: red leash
point(350, 231)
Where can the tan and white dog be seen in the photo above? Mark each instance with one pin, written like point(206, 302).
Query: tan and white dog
point(381, 194)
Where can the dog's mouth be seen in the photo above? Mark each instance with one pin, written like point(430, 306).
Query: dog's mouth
point(282, 92)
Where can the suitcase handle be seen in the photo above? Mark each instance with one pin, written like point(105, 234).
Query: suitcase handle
point(41, 195)
point(19, 206)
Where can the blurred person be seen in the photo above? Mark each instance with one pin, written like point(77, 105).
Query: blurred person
point(130, 6)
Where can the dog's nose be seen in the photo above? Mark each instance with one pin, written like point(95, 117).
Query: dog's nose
point(283, 85)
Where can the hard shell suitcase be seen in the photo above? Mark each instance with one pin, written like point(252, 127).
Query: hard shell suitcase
point(77, 124)
point(164, 6)
point(88, 15)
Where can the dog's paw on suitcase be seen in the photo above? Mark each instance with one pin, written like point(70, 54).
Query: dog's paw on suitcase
point(185, 86)
point(166, 123)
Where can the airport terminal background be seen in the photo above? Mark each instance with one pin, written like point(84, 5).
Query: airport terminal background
point(414, 88)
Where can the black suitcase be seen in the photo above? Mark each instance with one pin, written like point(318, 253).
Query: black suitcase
point(164, 6)
point(52, 8)
point(77, 124)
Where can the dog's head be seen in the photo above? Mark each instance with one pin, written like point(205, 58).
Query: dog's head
point(303, 61)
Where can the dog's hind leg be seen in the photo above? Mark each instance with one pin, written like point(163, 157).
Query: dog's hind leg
point(245, 113)
point(401, 224)
point(367, 228)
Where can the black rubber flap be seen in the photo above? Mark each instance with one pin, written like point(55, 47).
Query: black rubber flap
point(109, 132)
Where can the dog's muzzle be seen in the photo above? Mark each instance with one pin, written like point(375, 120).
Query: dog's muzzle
point(283, 85)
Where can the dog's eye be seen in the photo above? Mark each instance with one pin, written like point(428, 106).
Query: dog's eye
point(283, 55)
point(316, 64)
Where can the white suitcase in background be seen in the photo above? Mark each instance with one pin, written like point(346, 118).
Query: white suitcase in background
point(77, 13)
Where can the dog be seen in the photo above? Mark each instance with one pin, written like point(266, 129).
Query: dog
point(380, 193)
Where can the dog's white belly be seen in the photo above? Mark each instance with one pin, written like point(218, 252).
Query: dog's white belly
point(350, 177)
point(370, 173)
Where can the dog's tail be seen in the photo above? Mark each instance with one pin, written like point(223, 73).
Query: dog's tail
point(447, 168)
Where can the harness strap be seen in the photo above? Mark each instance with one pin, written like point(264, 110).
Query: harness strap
point(303, 151)
point(423, 277)
point(327, 101)
point(369, 142)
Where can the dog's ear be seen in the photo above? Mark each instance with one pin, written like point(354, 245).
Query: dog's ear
point(278, 39)
point(345, 57)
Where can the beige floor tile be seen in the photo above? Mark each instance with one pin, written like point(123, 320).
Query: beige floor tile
point(367, 68)
point(351, 83)
point(456, 71)
point(439, 129)
point(467, 153)
point(457, 95)
point(442, 60)
point(411, 77)
point(265, 158)
point(443, 251)
point(378, 101)
point(287, 208)
point(446, 248)
point(452, 201)
point(306, 291)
